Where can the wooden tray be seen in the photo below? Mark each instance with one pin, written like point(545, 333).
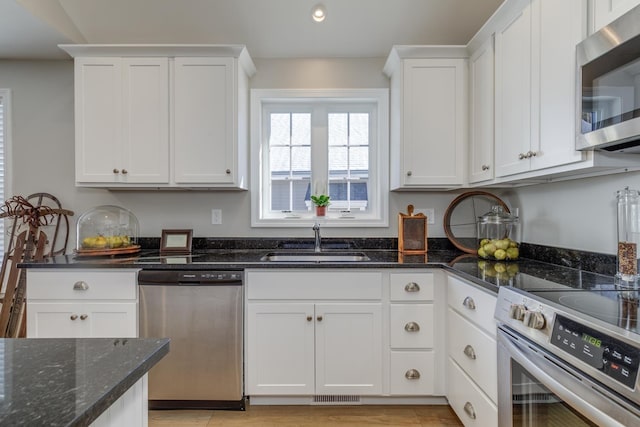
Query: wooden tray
point(112, 251)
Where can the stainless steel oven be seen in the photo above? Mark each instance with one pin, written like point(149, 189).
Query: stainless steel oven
point(560, 367)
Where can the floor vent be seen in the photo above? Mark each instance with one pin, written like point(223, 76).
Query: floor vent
point(335, 399)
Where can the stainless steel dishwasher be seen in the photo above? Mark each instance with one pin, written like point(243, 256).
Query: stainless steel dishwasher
point(201, 311)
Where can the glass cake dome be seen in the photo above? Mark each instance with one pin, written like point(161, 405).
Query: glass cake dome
point(107, 228)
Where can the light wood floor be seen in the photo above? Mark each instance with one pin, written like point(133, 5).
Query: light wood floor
point(310, 416)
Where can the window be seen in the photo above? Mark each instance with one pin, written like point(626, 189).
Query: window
point(4, 142)
point(331, 142)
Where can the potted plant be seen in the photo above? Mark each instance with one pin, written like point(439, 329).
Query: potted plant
point(321, 201)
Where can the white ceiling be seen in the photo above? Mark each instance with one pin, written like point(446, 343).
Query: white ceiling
point(269, 28)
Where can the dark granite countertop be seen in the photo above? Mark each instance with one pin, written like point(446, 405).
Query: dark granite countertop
point(70, 382)
point(487, 274)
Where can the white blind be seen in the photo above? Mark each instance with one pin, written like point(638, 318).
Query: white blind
point(2, 167)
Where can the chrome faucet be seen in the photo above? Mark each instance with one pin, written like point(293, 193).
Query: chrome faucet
point(316, 230)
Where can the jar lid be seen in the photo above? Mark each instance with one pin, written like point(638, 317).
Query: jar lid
point(497, 215)
point(627, 193)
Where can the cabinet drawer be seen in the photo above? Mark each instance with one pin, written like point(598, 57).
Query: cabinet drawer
point(475, 352)
point(472, 406)
point(411, 325)
point(473, 303)
point(402, 364)
point(411, 286)
point(68, 285)
point(314, 284)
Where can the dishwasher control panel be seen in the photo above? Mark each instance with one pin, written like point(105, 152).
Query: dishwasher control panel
point(209, 276)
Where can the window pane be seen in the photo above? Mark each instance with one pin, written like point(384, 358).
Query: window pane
point(338, 160)
point(338, 129)
point(279, 160)
point(359, 129)
point(301, 129)
point(359, 159)
point(280, 129)
point(301, 160)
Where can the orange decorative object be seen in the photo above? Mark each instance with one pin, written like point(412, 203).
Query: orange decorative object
point(412, 232)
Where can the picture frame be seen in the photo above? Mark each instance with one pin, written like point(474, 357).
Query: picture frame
point(176, 241)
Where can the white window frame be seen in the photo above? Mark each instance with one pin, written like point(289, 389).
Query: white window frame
point(5, 98)
point(378, 183)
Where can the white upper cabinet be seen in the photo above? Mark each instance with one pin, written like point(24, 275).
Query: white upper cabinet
point(535, 86)
point(481, 118)
point(428, 116)
point(606, 11)
point(122, 120)
point(161, 116)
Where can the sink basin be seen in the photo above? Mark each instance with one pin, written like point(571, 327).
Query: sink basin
point(316, 257)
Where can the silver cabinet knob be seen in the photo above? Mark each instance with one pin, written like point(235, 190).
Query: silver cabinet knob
point(83, 316)
point(468, 409)
point(309, 318)
point(228, 171)
point(409, 173)
point(412, 327)
point(412, 287)
point(80, 286)
point(73, 317)
point(412, 374)
point(534, 319)
point(470, 352)
point(469, 303)
point(531, 154)
point(319, 318)
point(485, 167)
point(522, 156)
point(124, 172)
point(116, 170)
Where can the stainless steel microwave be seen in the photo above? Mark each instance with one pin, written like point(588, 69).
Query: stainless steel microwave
point(608, 83)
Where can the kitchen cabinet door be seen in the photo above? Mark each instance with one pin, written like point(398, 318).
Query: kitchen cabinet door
point(206, 121)
point(82, 320)
point(349, 349)
point(428, 117)
point(122, 120)
point(481, 120)
point(513, 95)
point(281, 351)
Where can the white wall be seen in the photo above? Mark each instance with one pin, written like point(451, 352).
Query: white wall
point(43, 153)
point(578, 214)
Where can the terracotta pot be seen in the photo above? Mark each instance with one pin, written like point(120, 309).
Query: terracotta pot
point(321, 210)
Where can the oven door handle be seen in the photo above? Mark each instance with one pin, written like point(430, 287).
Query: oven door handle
point(548, 374)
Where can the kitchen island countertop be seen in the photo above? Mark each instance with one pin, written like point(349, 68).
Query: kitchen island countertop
point(70, 382)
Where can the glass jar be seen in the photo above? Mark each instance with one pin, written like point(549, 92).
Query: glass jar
point(628, 237)
point(107, 228)
point(499, 235)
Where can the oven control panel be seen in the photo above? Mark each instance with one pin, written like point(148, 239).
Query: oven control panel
point(614, 358)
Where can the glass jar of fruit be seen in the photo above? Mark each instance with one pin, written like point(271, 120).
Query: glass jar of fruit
point(107, 228)
point(499, 235)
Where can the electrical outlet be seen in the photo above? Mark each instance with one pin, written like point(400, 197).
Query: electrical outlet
point(429, 212)
point(216, 216)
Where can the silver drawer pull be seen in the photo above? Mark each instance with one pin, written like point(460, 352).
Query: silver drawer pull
point(470, 352)
point(468, 408)
point(469, 303)
point(73, 317)
point(412, 374)
point(412, 327)
point(83, 316)
point(80, 286)
point(412, 287)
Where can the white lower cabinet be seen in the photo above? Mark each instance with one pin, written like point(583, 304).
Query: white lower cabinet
point(468, 401)
point(82, 303)
point(472, 365)
point(314, 332)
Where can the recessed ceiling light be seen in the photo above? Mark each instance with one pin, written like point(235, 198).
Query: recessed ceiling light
point(318, 13)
